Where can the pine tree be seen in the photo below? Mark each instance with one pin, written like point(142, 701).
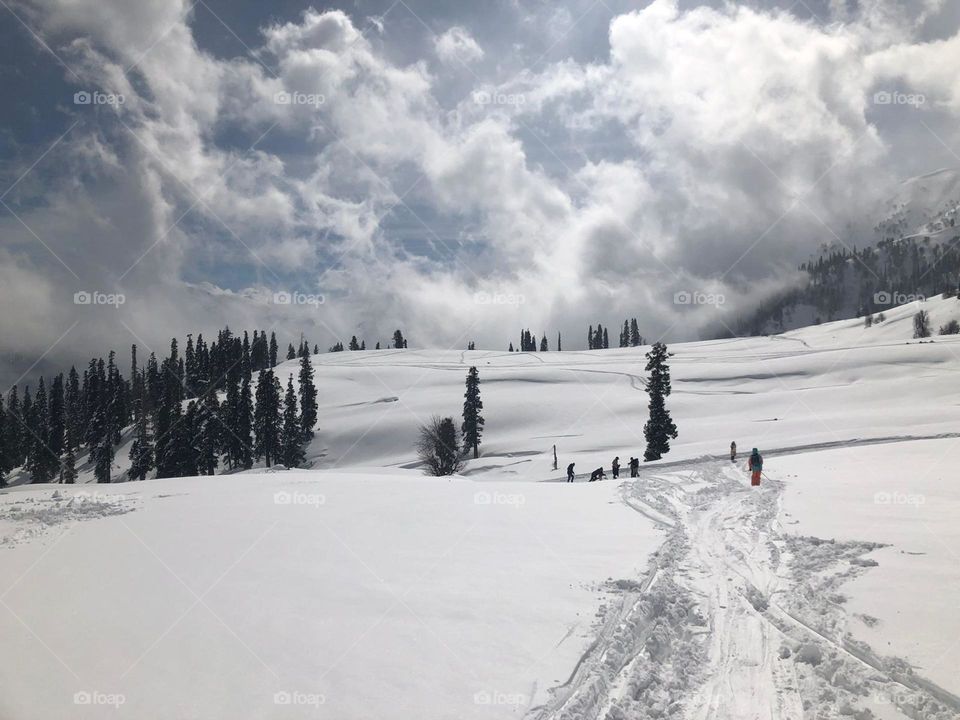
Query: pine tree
point(291, 353)
point(635, 338)
point(921, 325)
point(141, 451)
point(68, 469)
point(273, 350)
point(101, 451)
point(354, 345)
point(57, 417)
point(398, 341)
point(606, 340)
point(291, 435)
point(308, 399)
point(559, 346)
point(590, 338)
point(625, 334)
point(266, 418)
point(43, 463)
point(510, 349)
point(543, 344)
point(472, 419)
point(659, 429)
point(73, 409)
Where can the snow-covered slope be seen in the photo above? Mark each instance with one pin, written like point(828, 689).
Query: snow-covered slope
point(359, 588)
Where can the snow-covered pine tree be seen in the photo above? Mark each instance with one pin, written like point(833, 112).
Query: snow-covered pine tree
point(273, 349)
point(57, 417)
point(73, 408)
point(141, 450)
point(559, 345)
point(266, 418)
point(308, 399)
point(209, 434)
point(634, 333)
point(101, 450)
point(398, 341)
point(43, 463)
point(472, 419)
point(291, 353)
point(242, 429)
point(68, 468)
point(291, 434)
point(590, 338)
point(659, 429)
point(354, 344)
point(543, 344)
point(606, 340)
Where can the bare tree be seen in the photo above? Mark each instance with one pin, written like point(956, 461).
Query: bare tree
point(439, 448)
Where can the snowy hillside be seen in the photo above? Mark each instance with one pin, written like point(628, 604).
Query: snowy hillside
point(360, 588)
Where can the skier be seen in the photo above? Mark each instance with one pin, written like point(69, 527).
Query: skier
point(570, 472)
point(615, 467)
point(733, 451)
point(634, 467)
point(597, 474)
point(755, 466)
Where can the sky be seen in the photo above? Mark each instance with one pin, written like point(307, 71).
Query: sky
point(459, 170)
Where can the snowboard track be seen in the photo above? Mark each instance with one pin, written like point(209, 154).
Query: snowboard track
point(735, 618)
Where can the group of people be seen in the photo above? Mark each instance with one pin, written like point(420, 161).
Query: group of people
point(754, 465)
point(598, 474)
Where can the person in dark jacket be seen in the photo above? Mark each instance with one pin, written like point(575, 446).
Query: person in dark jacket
point(597, 474)
point(634, 467)
point(570, 474)
point(615, 467)
point(733, 451)
point(755, 466)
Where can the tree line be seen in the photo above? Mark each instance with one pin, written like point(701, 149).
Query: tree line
point(180, 424)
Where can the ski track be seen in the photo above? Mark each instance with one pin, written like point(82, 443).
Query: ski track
point(735, 619)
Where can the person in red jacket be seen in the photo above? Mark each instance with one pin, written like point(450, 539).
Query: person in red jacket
point(755, 466)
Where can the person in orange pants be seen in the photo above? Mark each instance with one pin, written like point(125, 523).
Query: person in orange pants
point(755, 466)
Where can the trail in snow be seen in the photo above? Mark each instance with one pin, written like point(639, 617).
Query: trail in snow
point(735, 619)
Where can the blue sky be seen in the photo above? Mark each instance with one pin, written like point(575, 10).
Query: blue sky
point(575, 161)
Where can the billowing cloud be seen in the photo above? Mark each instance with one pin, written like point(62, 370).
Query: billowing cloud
point(592, 174)
point(457, 45)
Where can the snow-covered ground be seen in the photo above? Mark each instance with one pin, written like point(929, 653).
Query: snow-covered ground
point(366, 590)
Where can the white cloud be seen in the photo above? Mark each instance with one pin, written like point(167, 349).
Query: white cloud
point(683, 151)
point(456, 45)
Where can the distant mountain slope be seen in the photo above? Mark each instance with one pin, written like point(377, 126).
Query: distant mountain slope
point(915, 256)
